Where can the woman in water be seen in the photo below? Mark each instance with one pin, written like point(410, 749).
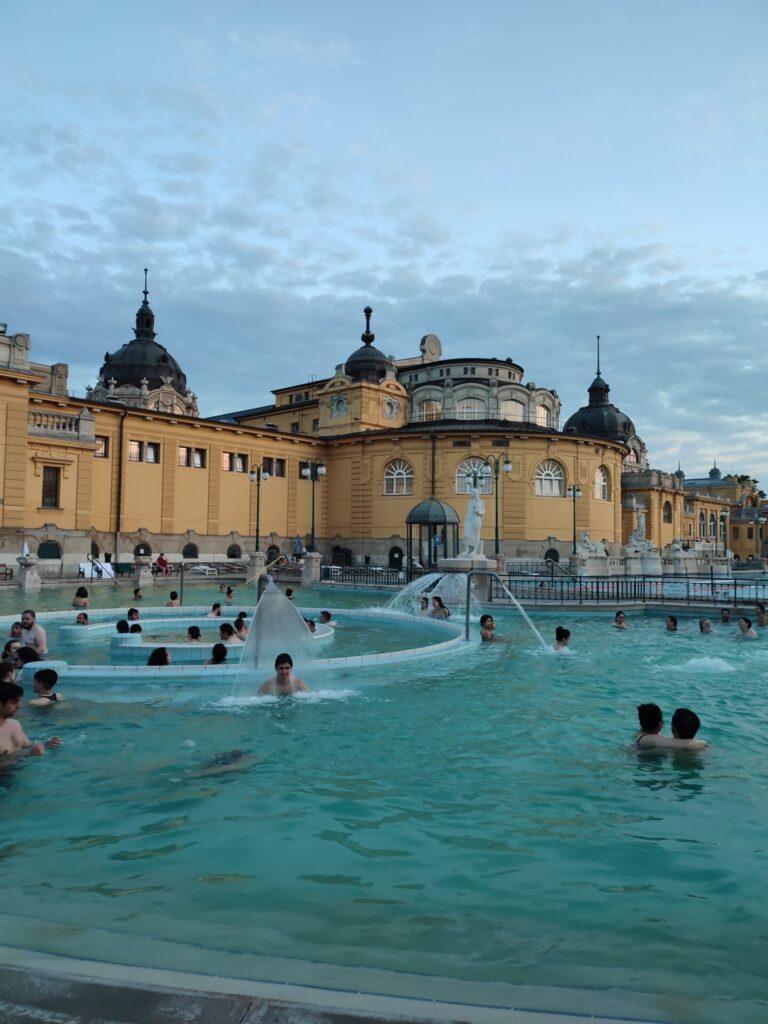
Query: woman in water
point(423, 605)
point(160, 656)
point(439, 611)
point(562, 639)
point(80, 600)
point(218, 655)
point(760, 615)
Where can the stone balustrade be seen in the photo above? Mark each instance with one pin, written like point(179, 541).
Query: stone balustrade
point(46, 423)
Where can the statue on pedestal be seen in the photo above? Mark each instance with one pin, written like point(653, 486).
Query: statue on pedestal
point(473, 522)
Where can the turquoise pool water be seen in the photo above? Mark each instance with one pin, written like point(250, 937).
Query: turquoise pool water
point(478, 817)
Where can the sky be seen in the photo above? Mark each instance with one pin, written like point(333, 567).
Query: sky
point(515, 177)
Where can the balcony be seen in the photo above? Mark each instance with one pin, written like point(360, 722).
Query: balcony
point(62, 426)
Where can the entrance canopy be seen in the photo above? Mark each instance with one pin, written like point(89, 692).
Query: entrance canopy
point(436, 528)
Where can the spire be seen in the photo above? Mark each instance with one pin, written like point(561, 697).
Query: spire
point(146, 303)
point(598, 353)
point(145, 318)
point(367, 336)
point(598, 390)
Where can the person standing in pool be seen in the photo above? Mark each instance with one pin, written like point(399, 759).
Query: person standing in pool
point(13, 739)
point(562, 639)
point(80, 600)
point(487, 627)
point(33, 635)
point(284, 682)
point(746, 630)
point(650, 738)
point(760, 614)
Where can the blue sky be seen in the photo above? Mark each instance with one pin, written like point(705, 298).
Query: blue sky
point(514, 177)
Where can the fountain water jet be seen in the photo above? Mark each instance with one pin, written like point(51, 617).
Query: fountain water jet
point(277, 626)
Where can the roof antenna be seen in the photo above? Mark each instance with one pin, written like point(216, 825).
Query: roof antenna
point(598, 355)
point(146, 303)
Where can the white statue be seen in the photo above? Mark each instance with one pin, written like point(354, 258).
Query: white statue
point(473, 522)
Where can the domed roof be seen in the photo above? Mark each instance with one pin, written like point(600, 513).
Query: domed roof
point(143, 358)
point(600, 418)
point(367, 362)
point(432, 511)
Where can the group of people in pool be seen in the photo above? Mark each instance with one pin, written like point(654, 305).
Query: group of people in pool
point(437, 610)
point(745, 629)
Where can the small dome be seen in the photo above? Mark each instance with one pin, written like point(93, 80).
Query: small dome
point(715, 474)
point(367, 362)
point(600, 418)
point(433, 512)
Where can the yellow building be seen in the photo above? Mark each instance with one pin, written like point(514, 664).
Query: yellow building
point(131, 468)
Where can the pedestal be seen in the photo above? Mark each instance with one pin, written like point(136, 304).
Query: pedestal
point(28, 578)
point(256, 569)
point(310, 573)
point(651, 563)
point(144, 577)
point(460, 564)
point(633, 565)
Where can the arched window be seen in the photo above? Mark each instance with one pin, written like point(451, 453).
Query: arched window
point(142, 549)
point(542, 415)
point(398, 477)
point(602, 484)
point(631, 459)
point(49, 549)
point(511, 409)
point(470, 409)
point(666, 512)
point(234, 551)
point(702, 525)
point(429, 409)
point(465, 476)
point(550, 479)
point(712, 524)
point(273, 553)
point(190, 551)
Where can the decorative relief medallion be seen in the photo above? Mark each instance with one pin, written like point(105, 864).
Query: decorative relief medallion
point(339, 405)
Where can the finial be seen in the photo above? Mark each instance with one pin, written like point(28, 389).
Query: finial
point(146, 303)
point(367, 337)
point(598, 355)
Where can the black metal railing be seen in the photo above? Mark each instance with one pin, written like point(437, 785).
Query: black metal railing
point(369, 575)
point(617, 590)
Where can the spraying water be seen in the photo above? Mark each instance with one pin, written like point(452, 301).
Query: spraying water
point(450, 586)
point(277, 626)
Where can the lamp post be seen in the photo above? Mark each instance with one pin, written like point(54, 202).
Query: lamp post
point(493, 464)
point(574, 493)
point(257, 474)
point(723, 532)
point(311, 471)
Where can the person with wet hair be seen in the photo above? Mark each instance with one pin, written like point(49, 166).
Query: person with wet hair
point(159, 657)
point(284, 682)
point(649, 738)
point(218, 655)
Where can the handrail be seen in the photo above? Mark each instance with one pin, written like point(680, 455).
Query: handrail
point(556, 565)
point(277, 561)
point(100, 566)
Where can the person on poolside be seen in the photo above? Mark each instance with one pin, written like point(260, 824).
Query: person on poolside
point(173, 600)
point(133, 615)
point(562, 639)
point(284, 682)
point(760, 614)
point(671, 624)
point(162, 565)
point(43, 684)
point(439, 611)
point(215, 612)
point(33, 635)
point(80, 600)
point(13, 739)
point(81, 619)
point(705, 626)
point(725, 615)
point(620, 621)
point(487, 627)
point(746, 630)
point(650, 738)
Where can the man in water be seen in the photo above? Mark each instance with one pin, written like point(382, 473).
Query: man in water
point(12, 737)
point(651, 723)
point(620, 621)
point(284, 682)
point(746, 629)
point(33, 635)
point(725, 615)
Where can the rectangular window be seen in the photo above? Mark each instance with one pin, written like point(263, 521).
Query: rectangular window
point(194, 457)
point(750, 533)
point(51, 486)
point(294, 428)
point(267, 464)
point(736, 533)
point(315, 425)
point(152, 451)
point(135, 451)
point(462, 444)
point(102, 448)
point(279, 467)
point(233, 462)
